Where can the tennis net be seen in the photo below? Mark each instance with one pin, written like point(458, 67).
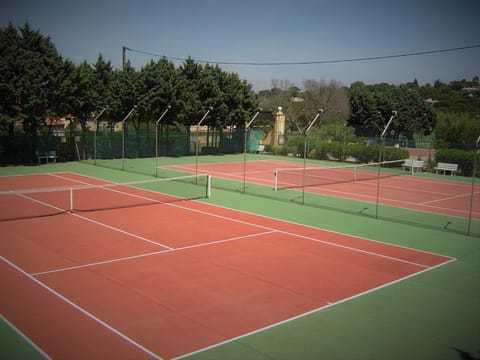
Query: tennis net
point(32, 203)
point(290, 178)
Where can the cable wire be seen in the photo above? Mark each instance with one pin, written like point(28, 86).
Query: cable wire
point(418, 53)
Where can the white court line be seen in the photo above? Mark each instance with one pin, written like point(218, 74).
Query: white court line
point(97, 222)
point(355, 249)
point(24, 337)
point(402, 204)
point(69, 179)
point(233, 174)
point(406, 178)
point(308, 238)
point(151, 253)
point(82, 310)
point(227, 176)
point(122, 231)
point(327, 306)
point(269, 231)
point(447, 198)
point(304, 225)
point(273, 229)
point(98, 263)
point(250, 224)
point(367, 182)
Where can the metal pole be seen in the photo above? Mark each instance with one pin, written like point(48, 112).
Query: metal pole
point(210, 108)
point(388, 124)
point(304, 166)
point(124, 56)
point(247, 127)
point(157, 124)
point(124, 121)
point(245, 159)
point(305, 134)
point(95, 135)
point(378, 176)
point(380, 153)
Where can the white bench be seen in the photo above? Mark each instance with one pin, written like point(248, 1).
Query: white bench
point(260, 149)
point(47, 155)
point(445, 167)
point(412, 164)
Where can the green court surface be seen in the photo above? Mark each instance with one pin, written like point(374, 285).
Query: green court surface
point(433, 315)
point(15, 346)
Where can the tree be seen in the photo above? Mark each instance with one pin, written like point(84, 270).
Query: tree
point(365, 117)
point(187, 93)
point(103, 84)
point(457, 130)
point(36, 83)
point(125, 90)
point(156, 83)
point(78, 97)
point(330, 96)
point(9, 78)
point(32, 71)
point(373, 105)
point(280, 94)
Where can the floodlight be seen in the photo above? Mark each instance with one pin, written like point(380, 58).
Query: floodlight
point(163, 114)
point(319, 112)
point(210, 108)
point(130, 113)
point(247, 126)
point(388, 124)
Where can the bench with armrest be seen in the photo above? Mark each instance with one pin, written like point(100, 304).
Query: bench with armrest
point(412, 164)
point(446, 167)
point(260, 149)
point(46, 155)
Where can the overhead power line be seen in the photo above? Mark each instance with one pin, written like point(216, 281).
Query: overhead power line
point(370, 58)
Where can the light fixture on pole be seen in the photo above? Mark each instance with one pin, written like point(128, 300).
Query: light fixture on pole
point(380, 153)
point(95, 134)
point(305, 134)
point(157, 124)
point(210, 108)
point(247, 127)
point(124, 126)
point(388, 125)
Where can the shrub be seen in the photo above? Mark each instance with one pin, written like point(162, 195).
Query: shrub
point(209, 150)
point(392, 154)
point(279, 150)
point(361, 152)
point(296, 145)
point(463, 158)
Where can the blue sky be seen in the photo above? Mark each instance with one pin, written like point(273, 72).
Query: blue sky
point(268, 31)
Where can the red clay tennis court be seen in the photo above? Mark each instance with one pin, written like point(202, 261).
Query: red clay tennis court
point(169, 278)
point(398, 188)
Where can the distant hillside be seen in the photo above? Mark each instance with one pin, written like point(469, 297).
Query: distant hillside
point(460, 96)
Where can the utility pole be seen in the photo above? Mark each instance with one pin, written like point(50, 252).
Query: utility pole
point(124, 56)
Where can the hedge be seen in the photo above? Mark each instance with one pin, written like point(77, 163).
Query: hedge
point(463, 158)
point(361, 152)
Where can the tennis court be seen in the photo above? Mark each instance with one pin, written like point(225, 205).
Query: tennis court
point(355, 182)
point(123, 271)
